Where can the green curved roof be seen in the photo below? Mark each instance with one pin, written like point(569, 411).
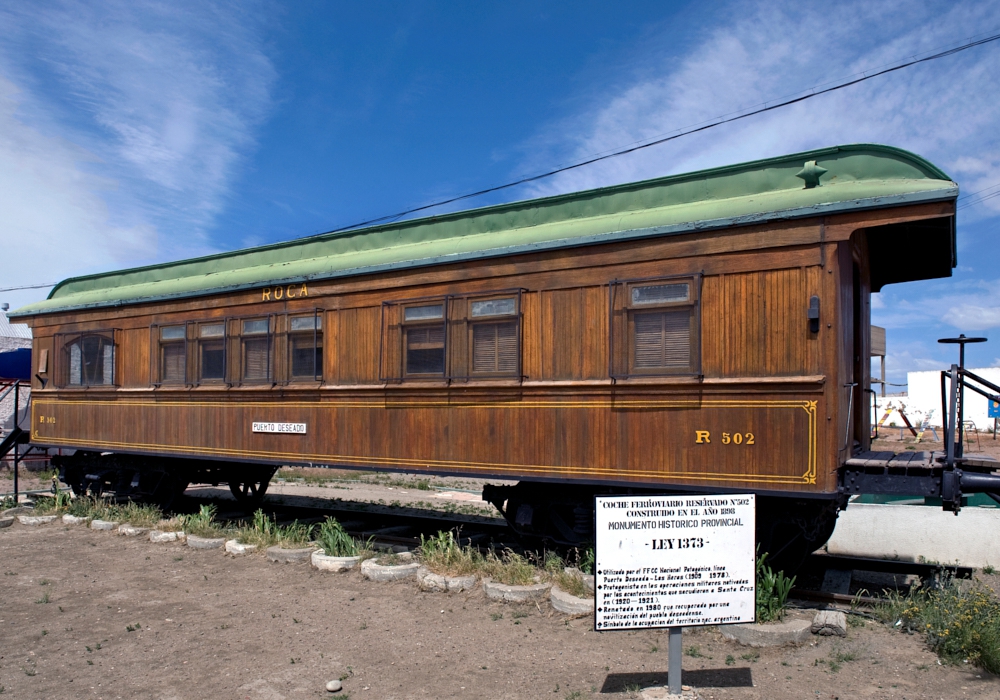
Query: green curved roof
point(857, 177)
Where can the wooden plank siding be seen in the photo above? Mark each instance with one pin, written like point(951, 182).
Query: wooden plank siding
point(763, 374)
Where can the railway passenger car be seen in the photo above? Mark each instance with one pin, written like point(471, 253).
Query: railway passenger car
point(705, 332)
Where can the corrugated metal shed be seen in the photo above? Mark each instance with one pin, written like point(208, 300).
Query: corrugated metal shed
point(849, 178)
point(13, 335)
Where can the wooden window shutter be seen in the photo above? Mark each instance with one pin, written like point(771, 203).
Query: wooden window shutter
point(494, 347)
point(173, 363)
point(255, 358)
point(662, 339)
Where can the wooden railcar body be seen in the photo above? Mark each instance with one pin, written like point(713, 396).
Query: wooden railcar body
point(774, 398)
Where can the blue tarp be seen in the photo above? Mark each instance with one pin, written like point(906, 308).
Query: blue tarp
point(16, 364)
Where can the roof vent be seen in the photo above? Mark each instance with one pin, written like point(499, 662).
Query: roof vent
point(811, 173)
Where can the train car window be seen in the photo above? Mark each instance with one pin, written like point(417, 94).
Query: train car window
point(305, 346)
point(89, 359)
point(173, 354)
point(255, 341)
point(654, 327)
point(424, 337)
point(212, 352)
point(494, 337)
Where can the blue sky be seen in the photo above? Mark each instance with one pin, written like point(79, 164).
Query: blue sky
point(137, 132)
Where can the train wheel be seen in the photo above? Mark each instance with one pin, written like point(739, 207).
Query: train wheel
point(249, 489)
point(789, 530)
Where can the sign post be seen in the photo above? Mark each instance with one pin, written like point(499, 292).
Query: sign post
point(674, 561)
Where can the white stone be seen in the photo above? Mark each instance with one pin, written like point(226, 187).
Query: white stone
point(73, 519)
point(429, 581)
point(36, 519)
point(515, 594)
point(131, 530)
point(205, 542)
point(158, 536)
point(771, 634)
point(103, 525)
point(326, 563)
point(334, 686)
point(238, 548)
point(290, 555)
point(570, 604)
point(828, 623)
point(387, 572)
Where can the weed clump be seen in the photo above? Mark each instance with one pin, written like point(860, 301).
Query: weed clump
point(264, 531)
point(53, 505)
point(509, 568)
point(772, 591)
point(336, 542)
point(202, 523)
point(961, 622)
point(442, 554)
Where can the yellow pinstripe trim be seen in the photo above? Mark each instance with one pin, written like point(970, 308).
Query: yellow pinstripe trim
point(809, 477)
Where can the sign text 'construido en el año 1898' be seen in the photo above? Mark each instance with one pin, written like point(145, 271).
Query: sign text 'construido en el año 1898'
point(674, 561)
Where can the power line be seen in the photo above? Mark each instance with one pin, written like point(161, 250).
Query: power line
point(704, 127)
point(30, 286)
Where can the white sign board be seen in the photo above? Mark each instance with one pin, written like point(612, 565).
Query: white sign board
point(674, 561)
point(298, 428)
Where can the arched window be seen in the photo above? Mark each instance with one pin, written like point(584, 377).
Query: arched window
point(89, 359)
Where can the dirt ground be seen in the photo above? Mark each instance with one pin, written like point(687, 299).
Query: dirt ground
point(207, 625)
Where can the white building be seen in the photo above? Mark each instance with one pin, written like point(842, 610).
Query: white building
point(923, 398)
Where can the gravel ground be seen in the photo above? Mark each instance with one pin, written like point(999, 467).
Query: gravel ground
point(207, 625)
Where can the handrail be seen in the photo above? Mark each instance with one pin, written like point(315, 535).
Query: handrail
point(960, 379)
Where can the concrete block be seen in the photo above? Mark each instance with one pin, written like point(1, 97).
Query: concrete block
point(6, 521)
point(429, 581)
point(911, 532)
point(290, 555)
point(570, 604)
point(387, 572)
point(73, 520)
point(772, 634)
point(515, 594)
point(103, 525)
point(17, 510)
point(662, 693)
point(326, 563)
point(237, 548)
point(829, 623)
point(158, 536)
point(36, 519)
point(131, 530)
point(205, 542)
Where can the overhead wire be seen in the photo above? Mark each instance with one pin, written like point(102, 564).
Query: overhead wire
point(684, 132)
point(28, 286)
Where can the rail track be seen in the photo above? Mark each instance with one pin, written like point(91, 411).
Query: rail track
point(395, 527)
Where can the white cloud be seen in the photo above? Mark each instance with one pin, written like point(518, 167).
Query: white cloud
point(972, 317)
point(944, 110)
point(122, 125)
